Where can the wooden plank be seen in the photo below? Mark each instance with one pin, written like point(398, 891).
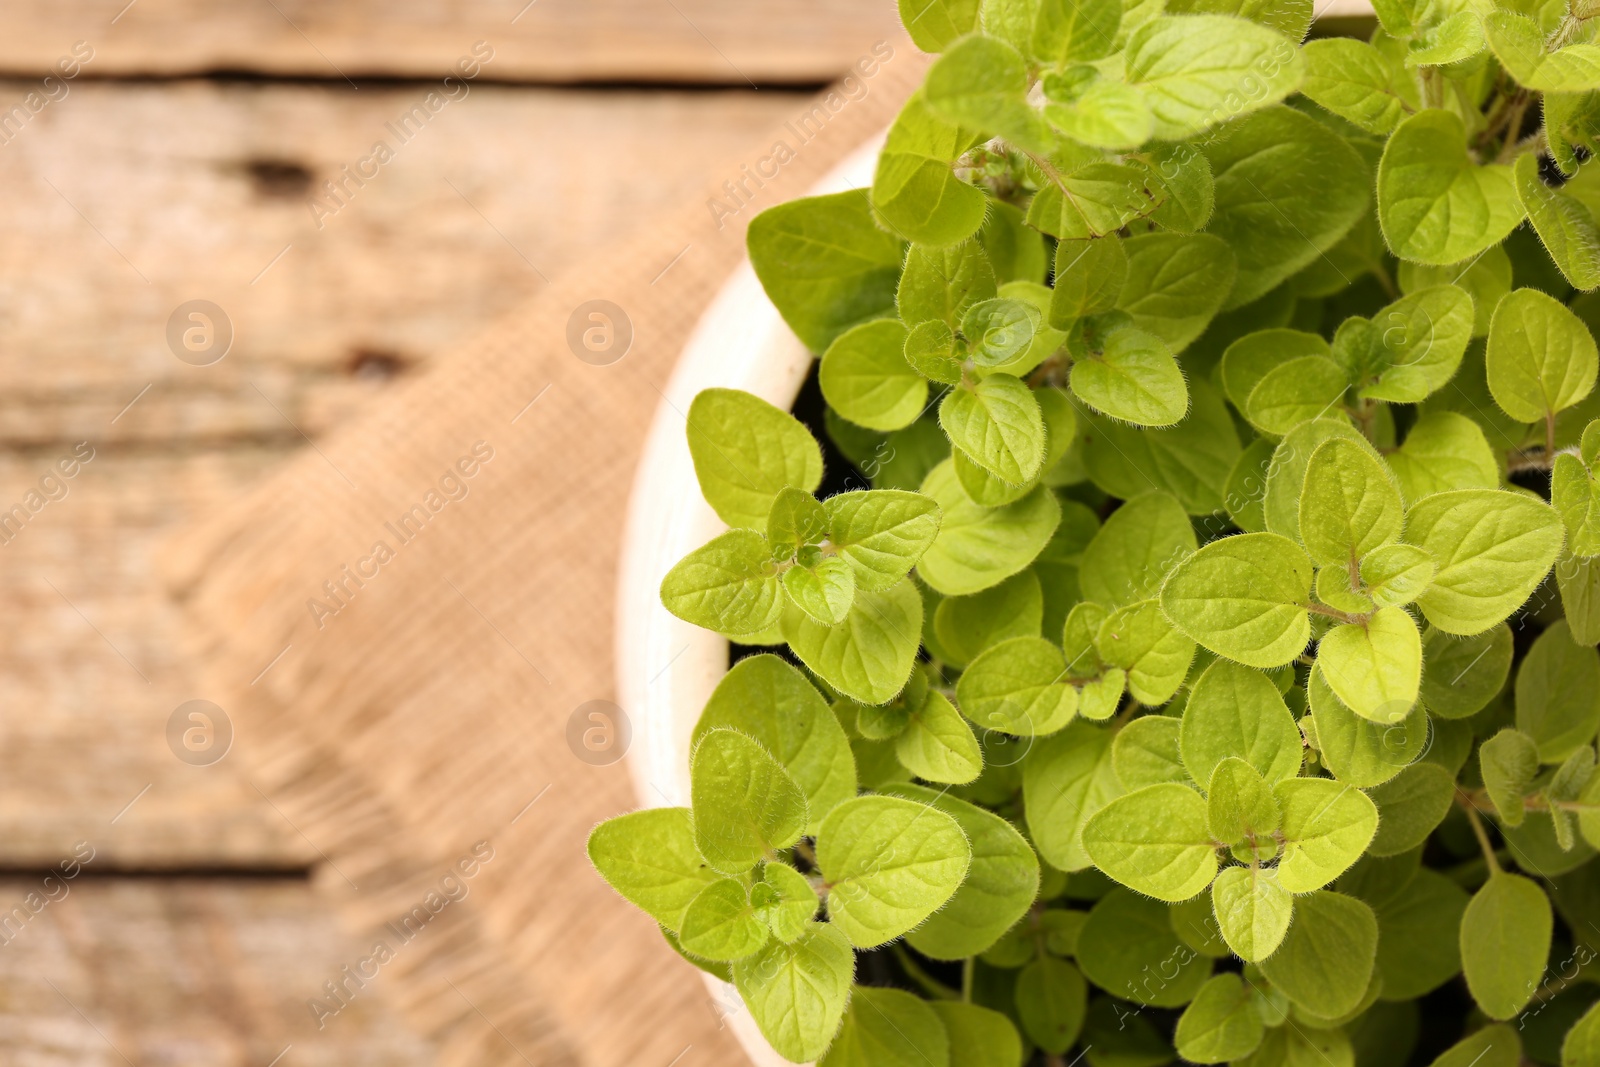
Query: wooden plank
point(117, 971)
point(159, 194)
point(732, 42)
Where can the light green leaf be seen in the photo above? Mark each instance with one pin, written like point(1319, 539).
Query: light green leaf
point(1289, 17)
point(1066, 778)
point(721, 925)
point(1016, 252)
point(1492, 549)
point(1192, 70)
point(915, 190)
point(1460, 675)
point(824, 591)
point(1505, 941)
point(788, 901)
point(1325, 963)
point(1410, 806)
point(1350, 504)
point(1444, 450)
point(978, 547)
point(796, 519)
point(1133, 378)
point(1558, 694)
point(1088, 279)
point(1220, 1024)
point(745, 451)
point(942, 283)
point(1191, 460)
point(825, 264)
point(1295, 392)
point(1135, 549)
point(730, 584)
point(1240, 806)
point(1564, 223)
point(650, 858)
point(1175, 284)
point(1146, 752)
point(1375, 667)
point(1243, 597)
point(1187, 184)
point(1508, 762)
point(1252, 357)
point(1581, 1047)
point(1454, 39)
point(1358, 751)
point(1435, 204)
point(746, 806)
point(888, 1028)
point(1095, 110)
point(1356, 81)
point(934, 24)
point(865, 377)
point(881, 533)
point(934, 351)
point(1000, 885)
point(967, 625)
point(1000, 332)
point(1286, 475)
point(1493, 1046)
point(1541, 357)
point(1051, 999)
point(1578, 578)
point(772, 702)
point(1424, 335)
point(869, 656)
point(998, 424)
point(1253, 910)
point(1520, 46)
point(1155, 841)
point(979, 1037)
point(982, 83)
point(1065, 31)
point(1129, 949)
point(797, 992)
point(1235, 711)
point(1018, 687)
point(1153, 653)
point(1419, 936)
point(1396, 575)
point(1287, 190)
point(1326, 827)
point(890, 864)
point(1486, 278)
point(1095, 200)
point(938, 745)
point(1576, 495)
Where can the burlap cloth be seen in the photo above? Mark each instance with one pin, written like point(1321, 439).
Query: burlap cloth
point(422, 711)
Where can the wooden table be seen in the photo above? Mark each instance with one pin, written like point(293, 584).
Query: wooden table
point(185, 159)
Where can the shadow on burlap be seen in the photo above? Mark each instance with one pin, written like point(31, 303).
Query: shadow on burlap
point(398, 726)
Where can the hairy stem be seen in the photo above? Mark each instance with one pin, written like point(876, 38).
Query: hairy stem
point(1479, 832)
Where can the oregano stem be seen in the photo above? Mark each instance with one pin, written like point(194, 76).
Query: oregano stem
point(1480, 833)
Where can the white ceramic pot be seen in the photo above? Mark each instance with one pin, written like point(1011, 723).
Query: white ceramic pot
point(666, 668)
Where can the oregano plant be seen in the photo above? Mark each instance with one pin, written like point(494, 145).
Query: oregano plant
point(1173, 634)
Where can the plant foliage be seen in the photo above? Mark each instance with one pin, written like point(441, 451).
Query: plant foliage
point(1204, 663)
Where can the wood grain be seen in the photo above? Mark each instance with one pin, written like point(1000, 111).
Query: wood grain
point(730, 42)
point(124, 201)
point(153, 971)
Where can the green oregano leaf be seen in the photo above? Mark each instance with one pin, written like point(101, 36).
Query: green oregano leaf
point(746, 805)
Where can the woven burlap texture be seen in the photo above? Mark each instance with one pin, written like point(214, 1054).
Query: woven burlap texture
point(406, 719)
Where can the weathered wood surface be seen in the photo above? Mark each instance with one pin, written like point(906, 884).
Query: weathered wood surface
point(211, 971)
point(732, 42)
point(199, 185)
point(125, 200)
